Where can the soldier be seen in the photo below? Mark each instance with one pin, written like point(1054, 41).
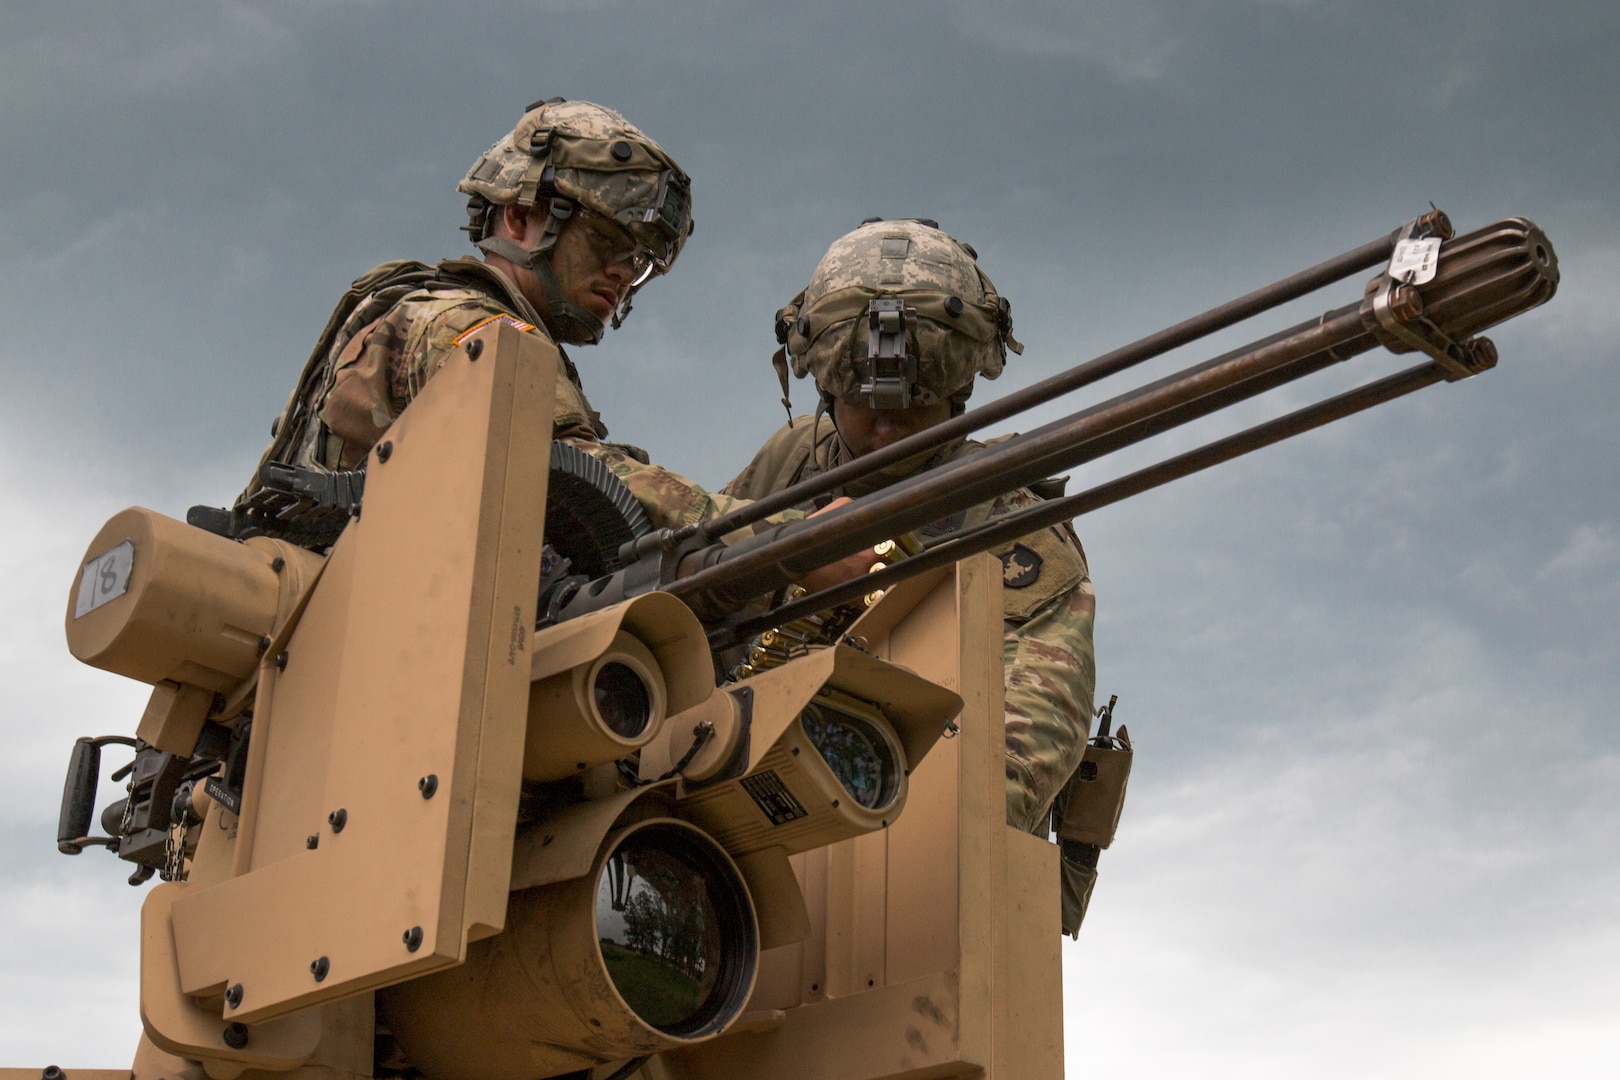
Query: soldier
point(952, 326)
point(574, 210)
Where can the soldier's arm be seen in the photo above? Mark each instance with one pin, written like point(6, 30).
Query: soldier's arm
point(1051, 667)
point(384, 366)
point(670, 499)
point(1051, 676)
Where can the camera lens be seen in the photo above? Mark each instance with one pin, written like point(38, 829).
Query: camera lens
point(622, 699)
point(858, 754)
point(676, 930)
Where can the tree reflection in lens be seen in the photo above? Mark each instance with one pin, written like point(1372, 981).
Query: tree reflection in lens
point(622, 699)
point(659, 922)
point(856, 753)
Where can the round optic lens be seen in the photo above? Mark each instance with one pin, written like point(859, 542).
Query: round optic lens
point(675, 931)
point(857, 754)
point(622, 699)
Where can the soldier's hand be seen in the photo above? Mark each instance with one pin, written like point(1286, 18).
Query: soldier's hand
point(851, 566)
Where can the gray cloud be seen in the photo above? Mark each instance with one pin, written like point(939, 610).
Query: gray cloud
point(1371, 672)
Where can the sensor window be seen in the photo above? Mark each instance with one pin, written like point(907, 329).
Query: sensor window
point(623, 700)
point(864, 762)
point(675, 930)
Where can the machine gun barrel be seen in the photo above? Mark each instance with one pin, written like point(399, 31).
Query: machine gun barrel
point(1215, 319)
point(1482, 279)
point(1004, 530)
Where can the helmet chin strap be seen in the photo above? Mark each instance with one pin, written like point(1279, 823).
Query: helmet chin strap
point(569, 323)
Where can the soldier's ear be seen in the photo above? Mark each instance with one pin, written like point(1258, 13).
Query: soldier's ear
point(513, 222)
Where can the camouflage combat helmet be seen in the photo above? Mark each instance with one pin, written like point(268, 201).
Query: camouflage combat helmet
point(897, 314)
point(573, 154)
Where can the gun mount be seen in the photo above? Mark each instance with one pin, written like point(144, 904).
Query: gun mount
point(531, 833)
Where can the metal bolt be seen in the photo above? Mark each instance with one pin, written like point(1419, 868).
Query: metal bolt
point(475, 349)
point(337, 819)
point(1482, 354)
point(264, 645)
point(236, 1035)
point(278, 564)
point(428, 785)
point(953, 306)
point(281, 661)
point(1405, 303)
point(413, 939)
point(620, 150)
point(233, 995)
point(319, 967)
point(385, 451)
point(312, 841)
point(53, 1072)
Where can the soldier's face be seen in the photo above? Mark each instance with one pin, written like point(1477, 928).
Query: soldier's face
point(865, 429)
point(591, 259)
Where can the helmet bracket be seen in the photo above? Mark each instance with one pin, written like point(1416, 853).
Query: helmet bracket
point(889, 370)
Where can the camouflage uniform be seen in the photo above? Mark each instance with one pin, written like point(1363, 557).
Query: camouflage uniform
point(372, 371)
point(899, 314)
point(1048, 607)
point(400, 321)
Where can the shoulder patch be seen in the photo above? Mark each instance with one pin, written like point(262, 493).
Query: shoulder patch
point(1020, 567)
point(510, 320)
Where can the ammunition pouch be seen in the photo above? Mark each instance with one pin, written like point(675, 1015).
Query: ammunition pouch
point(1086, 816)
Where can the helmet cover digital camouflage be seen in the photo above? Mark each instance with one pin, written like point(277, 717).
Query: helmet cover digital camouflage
point(956, 325)
point(591, 156)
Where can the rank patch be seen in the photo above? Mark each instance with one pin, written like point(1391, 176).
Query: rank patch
point(510, 320)
point(1020, 567)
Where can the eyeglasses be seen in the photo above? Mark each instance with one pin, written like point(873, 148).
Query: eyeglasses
point(613, 244)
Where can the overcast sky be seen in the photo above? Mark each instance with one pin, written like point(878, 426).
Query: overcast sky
point(1371, 673)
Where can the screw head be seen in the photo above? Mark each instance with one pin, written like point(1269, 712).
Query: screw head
point(428, 785)
point(337, 819)
point(235, 1035)
point(385, 450)
point(278, 564)
point(233, 995)
point(319, 967)
point(281, 661)
point(53, 1072)
point(312, 841)
point(475, 349)
point(953, 306)
point(413, 939)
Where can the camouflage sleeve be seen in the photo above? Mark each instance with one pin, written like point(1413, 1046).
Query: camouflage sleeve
point(383, 367)
point(670, 499)
point(1051, 675)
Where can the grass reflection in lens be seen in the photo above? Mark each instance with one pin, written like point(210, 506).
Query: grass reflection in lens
point(856, 752)
point(675, 931)
point(622, 699)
